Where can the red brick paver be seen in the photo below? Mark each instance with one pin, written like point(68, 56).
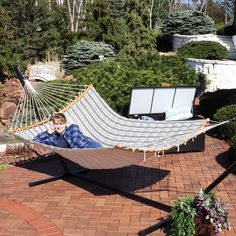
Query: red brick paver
point(39, 223)
point(73, 207)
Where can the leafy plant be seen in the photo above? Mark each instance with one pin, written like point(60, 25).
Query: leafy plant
point(203, 50)
point(205, 207)
point(209, 209)
point(183, 214)
point(188, 23)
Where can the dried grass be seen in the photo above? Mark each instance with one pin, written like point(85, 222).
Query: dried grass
point(53, 60)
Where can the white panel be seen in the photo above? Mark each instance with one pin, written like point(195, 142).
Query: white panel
point(162, 100)
point(184, 97)
point(141, 99)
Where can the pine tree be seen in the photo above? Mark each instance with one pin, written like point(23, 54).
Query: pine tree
point(140, 37)
point(98, 20)
point(33, 28)
point(7, 57)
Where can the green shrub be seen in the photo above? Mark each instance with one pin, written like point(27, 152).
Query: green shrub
point(233, 143)
point(84, 53)
point(210, 102)
point(188, 23)
point(226, 131)
point(203, 50)
point(232, 151)
point(114, 80)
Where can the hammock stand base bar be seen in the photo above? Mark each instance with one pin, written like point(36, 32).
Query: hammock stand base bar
point(208, 189)
point(66, 174)
point(79, 175)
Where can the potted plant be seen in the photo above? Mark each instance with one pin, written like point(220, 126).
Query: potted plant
point(200, 215)
point(183, 214)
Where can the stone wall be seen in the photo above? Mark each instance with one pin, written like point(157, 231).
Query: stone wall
point(9, 97)
point(220, 74)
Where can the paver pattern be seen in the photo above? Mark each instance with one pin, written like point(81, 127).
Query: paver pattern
point(73, 207)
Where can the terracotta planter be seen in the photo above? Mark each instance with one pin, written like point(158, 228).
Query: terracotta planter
point(203, 227)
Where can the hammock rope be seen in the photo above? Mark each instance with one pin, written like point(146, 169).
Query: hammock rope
point(41, 100)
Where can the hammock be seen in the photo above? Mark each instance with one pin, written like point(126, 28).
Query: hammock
point(83, 106)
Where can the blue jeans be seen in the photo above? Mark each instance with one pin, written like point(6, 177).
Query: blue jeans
point(93, 144)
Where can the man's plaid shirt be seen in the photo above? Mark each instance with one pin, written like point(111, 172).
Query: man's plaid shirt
point(72, 136)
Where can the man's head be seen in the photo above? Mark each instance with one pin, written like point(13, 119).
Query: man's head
point(59, 122)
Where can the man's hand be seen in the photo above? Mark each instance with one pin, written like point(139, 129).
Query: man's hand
point(51, 130)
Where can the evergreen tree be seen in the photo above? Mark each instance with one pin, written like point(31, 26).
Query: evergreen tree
point(7, 57)
point(139, 36)
point(188, 23)
point(84, 53)
point(104, 22)
point(33, 29)
point(99, 20)
point(117, 7)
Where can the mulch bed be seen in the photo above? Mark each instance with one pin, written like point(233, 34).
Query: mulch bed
point(25, 153)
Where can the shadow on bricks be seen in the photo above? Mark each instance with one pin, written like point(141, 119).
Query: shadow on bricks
point(130, 178)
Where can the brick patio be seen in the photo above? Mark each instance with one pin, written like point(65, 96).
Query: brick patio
point(74, 207)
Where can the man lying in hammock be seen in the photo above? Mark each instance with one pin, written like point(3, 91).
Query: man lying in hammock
point(60, 135)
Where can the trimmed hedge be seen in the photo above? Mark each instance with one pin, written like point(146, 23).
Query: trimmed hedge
point(210, 102)
point(226, 131)
point(203, 50)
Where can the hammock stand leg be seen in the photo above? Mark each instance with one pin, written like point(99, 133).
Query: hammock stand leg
point(66, 173)
point(168, 220)
point(79, 175)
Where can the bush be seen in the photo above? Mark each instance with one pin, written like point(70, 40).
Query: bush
point(226, 131)
point(210, 102)
point(232, 151)
point(188, 23)
point(114, 80)
point(84, 53)
point(203, 50)
point(233, 143)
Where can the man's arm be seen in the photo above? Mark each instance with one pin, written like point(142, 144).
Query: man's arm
point(75, 138)
point(45, 138)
